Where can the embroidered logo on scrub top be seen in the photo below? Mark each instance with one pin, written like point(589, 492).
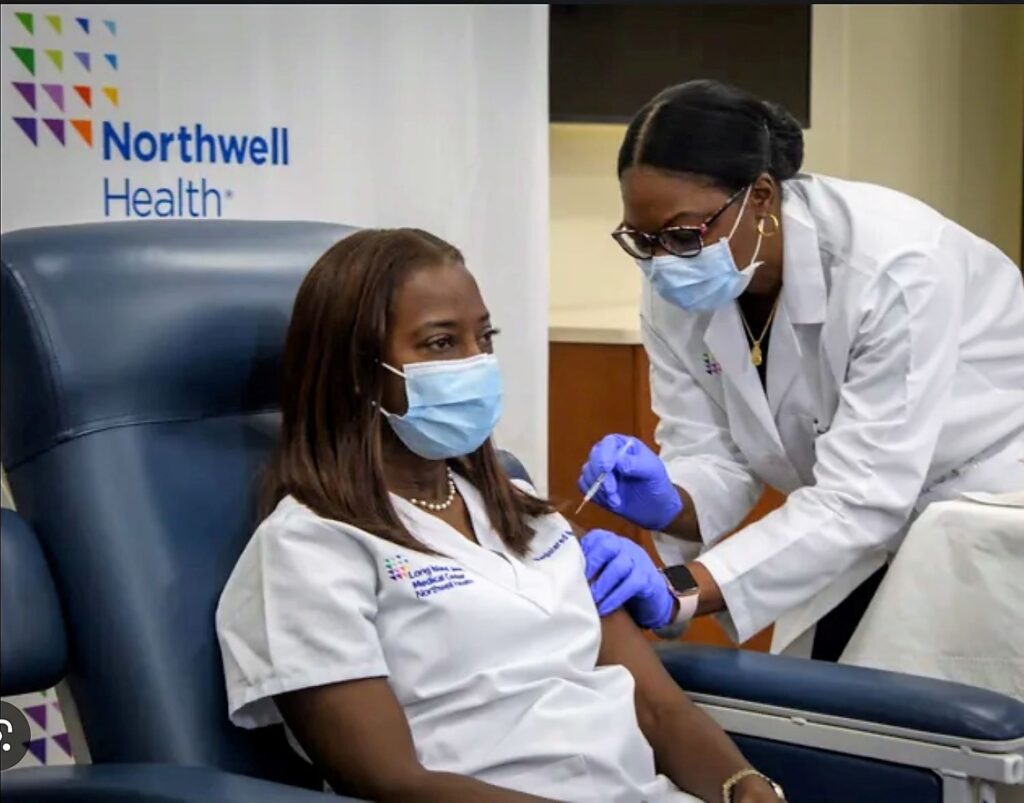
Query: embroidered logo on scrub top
point(427, 581)
point(551, 550)
point(712, 367)
point(398, 567)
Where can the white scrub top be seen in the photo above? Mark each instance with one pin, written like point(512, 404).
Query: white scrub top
point(895, 366)
point(492, 656)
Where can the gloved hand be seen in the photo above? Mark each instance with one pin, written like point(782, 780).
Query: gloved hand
point(637, 487)
point(626, 575)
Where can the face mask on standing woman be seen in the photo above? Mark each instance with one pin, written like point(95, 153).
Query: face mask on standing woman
point(706, 281)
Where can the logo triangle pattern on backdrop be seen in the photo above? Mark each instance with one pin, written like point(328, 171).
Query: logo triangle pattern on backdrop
point(29, 126)
point(56, 93)
point(31, 93)
point(27, 56)
point(84, 129)
point(56, 126)
point(85, 93)
point(57, 57)
point(27, 91)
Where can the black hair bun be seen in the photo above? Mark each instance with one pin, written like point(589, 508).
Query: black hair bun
point(787, 141)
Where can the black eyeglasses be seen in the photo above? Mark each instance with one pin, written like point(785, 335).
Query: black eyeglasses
point(680, 241)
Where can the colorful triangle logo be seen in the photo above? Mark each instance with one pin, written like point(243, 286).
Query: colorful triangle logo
point(29, 127)
point(111, 26)
point(63, 742)
point(57, 57)
point(55, 93)
point(38, 713)
point(56, 127)
point(111, 59)
point(27, 56)
point(26, 20)
point(84, 129)
point(84, 59)
point(85, 93)
point(37, 747)
point(27, 91)
point(55, 23)
point(111, 93)
point(83, 23)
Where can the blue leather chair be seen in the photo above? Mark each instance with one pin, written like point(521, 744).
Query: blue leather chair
point(138, 398)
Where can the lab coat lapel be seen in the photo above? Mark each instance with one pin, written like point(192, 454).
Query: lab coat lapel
point(804, 299)
point(784, 356)
point(750, 419)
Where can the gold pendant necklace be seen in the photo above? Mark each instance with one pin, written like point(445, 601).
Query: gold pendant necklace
point(756, 357)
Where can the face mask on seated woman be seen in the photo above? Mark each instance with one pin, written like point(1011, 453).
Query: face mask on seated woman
point(452, 405)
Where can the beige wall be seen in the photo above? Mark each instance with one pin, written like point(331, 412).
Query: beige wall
point(927, 99)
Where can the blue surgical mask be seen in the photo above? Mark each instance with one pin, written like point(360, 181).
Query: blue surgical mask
point(704, 282)
point(454, 405)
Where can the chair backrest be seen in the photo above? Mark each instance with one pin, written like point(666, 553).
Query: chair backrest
point(137, 403)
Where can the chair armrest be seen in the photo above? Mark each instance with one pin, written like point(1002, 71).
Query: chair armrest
point(33, 639)
point(891, 699)
point(147, 783)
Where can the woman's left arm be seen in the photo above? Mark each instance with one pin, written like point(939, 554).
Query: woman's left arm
point(689, 746)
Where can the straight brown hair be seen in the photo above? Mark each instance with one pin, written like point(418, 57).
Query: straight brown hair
point(329, 455)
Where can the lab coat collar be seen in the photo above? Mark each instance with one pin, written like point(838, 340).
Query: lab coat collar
point(752, 426)
point(803, 278)
point(784, 354)
point(804, 297)
point(804, 301)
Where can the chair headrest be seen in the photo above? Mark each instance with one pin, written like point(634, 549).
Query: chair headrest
point(113, 324)
point(33, 640)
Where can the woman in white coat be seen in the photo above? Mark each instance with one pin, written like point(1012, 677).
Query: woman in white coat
point(894, 375)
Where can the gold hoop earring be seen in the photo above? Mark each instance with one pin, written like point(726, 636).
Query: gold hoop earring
point(775, 226)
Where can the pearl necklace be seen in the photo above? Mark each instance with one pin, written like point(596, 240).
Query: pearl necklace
point(436, 507)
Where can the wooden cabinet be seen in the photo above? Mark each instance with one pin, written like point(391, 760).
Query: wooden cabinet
point(595, 389)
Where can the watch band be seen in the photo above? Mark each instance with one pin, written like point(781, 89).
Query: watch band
point(688, 602)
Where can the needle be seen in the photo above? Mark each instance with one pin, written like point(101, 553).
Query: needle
point(601, 477)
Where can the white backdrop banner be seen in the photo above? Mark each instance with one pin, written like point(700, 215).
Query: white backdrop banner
point(428, 116)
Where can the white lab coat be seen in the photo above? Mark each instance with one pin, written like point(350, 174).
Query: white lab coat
point(492, 656)
point(896, 359)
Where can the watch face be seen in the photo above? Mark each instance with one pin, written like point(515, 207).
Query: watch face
point(681, 579)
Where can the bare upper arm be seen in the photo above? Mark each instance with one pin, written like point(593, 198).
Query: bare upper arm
point(624, 644)
point(355, 732)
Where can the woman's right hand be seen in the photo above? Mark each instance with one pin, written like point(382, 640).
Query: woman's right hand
point(637, 486)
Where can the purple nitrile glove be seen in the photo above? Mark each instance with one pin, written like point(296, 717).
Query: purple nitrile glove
point(637, 486)
point(626, 575)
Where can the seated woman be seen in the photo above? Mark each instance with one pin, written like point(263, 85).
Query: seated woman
point(422, 624)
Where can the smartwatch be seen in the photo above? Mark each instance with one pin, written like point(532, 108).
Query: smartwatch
point(683, 587)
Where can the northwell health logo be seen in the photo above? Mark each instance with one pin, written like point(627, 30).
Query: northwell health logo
point(69, 68)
